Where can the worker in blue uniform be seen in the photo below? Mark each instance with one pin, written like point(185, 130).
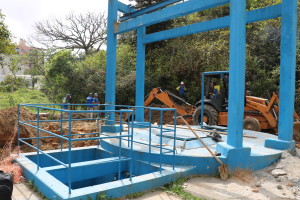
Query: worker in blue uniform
point(181, 90)
point(89, 101)
point(96, 104)
point(66, 101)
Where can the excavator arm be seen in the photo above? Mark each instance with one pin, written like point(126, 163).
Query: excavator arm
point(164, 97)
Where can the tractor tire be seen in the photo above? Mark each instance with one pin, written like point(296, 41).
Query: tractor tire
point(209, 112)
point(252, 124)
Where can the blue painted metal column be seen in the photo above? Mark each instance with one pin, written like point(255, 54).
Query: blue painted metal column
point(140, 74)
point(236, 155)
point(111, 59)
point(287, 69)
point(237, 72)
point(287, 76)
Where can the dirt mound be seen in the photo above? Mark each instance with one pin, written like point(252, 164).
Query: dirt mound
point(9, 122)
point(78, 127)
point(167, 115)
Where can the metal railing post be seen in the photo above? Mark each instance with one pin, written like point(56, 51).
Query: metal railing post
point(174, 147)
point(161, 131)
point(19, 128)
point(131, 151)
point(120, 146)
point(150, 135)
point(61, 129)
point(38, 136)
point(69, 153)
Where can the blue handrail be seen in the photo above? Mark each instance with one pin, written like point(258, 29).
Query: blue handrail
point(129, 136)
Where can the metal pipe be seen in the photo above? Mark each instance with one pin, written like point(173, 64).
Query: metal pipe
point(19, 130)
point(174, 147)
point(150, 135)
point(38, 137)
point(120, 146)
point(160, 157)
point(131, 152)
point(61, 130)
point(69, 154)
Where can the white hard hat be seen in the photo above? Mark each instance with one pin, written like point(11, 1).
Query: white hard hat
point(182, 82)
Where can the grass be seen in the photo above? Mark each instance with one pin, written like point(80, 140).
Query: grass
point(176, 189)
point(23, 96)
point(135, 195)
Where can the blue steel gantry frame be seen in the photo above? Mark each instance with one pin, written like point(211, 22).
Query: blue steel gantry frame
point(239, 17)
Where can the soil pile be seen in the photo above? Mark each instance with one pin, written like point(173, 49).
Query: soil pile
point(79, 128)
point(9, 122)
point(168, 116)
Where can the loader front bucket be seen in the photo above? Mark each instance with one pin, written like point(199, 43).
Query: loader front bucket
point(297, 131)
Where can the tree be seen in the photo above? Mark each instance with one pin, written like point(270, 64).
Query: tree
point(59, 73)
point(184, 59)
point(35, 61)
point(6, 45)
point(11, 84)
point(78, 31)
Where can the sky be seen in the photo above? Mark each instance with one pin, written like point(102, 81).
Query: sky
point(21, 15)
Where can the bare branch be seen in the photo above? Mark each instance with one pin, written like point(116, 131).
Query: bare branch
point(76, 31)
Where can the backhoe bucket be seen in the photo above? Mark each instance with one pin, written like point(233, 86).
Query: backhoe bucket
point(297, 131)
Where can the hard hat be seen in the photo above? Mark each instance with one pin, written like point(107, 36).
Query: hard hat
point(91, 94)
point(95, 94)
point(181, 83)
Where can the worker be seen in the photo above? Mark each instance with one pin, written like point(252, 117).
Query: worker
point(96, 102)
point(215, 90)
point(66, 101)
point(89, 101)
point(181, 89)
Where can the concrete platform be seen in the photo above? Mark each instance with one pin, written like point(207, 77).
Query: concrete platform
point(190, 151)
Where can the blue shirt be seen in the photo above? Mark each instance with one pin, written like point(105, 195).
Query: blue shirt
point(89, 100)
point(181, 89)
point(65, 101)
point(95, 100)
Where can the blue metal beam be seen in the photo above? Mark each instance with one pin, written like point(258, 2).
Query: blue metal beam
point(111, 59)
point(262, 14)
point(148, 9)
point(287, 69)
point(125, 8)
point(165, 14)
point(140, 74)
point(222, 22)
point(237, 67)
point(210, 25)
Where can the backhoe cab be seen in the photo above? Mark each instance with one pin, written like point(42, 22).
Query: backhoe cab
point(214, 97)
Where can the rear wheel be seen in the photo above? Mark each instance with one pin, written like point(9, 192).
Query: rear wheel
point(252, 124)
point(210, 115)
